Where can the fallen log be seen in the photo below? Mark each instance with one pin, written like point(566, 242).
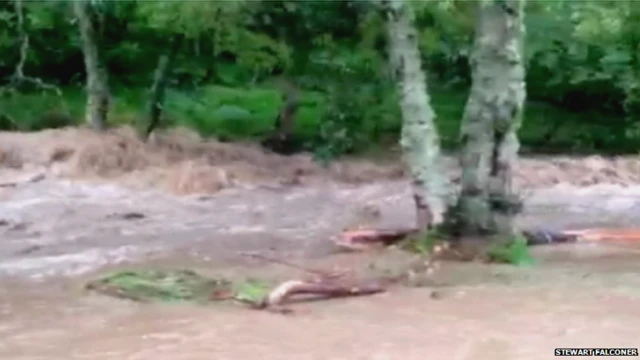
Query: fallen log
point(618, 235)
point(366, 239)
point(287, 289)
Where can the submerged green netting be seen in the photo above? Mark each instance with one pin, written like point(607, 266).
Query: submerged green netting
point(176, 286)
point(159, 285)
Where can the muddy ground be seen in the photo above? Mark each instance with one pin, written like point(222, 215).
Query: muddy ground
point(75, 204)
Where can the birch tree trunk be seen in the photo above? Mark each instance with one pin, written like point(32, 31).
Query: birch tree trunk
point(419, 139)
point(97, 78)
point(487, 204)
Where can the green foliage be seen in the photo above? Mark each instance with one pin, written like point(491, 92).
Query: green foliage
point(248, 113)
point(42, 111)
point(251, 290)
point(589, 64)
point(515, 251)
point(236, 113)
point(355, 115)
point(446, 33)
point(582, 57)
point(422, 244)
point(223, 112)
point(360, 98)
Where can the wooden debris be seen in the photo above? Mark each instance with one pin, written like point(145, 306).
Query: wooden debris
point(287, 289)
point(323, 284)
point(620, 235)
point(366, 239)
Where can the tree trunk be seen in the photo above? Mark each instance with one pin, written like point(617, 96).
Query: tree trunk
point(19, 80)
point(159, 86)
point(97, 78)
point(24, 40)
point(487, 204)
point(419, 140)
point(285, 121)
point(281, 138)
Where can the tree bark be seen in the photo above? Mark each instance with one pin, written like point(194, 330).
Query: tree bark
point(97, 77)
point(487, 204)
point(19, 80)
point(281, 138)
point(419, 140)
point(159, 86)
point(24, 39)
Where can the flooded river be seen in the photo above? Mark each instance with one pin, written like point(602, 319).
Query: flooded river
point(57, 233)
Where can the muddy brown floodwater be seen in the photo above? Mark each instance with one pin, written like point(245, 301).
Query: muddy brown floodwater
point(57, 233)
